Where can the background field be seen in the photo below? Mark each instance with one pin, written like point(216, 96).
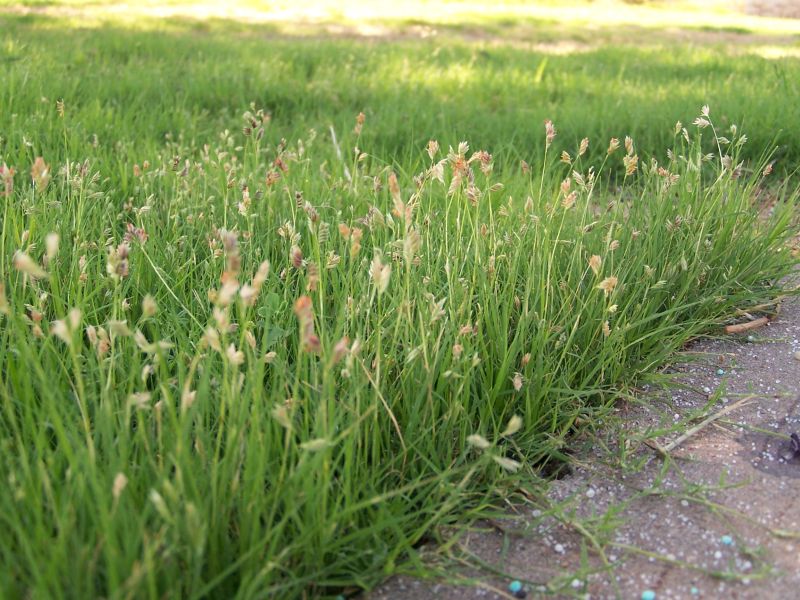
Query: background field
point(490, 77)
point(301, 430)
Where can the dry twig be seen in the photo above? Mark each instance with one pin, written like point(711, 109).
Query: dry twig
point(742, 327)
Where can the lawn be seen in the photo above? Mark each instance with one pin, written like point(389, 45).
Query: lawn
point(279, 300)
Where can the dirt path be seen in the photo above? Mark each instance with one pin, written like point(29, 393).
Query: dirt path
point(720, 518)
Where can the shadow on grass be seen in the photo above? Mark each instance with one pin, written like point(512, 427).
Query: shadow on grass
point(194, 78)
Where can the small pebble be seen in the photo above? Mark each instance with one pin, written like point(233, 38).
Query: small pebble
point(590, 493)
point(694, 591)
point(720, 372)
point(797, 355)
point(577, 583)
point(727, 540)
point(648, 595)
point(717, 554)
point(515, 586)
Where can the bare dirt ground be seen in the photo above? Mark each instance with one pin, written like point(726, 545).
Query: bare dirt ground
point(773, 8)
point(717, 516)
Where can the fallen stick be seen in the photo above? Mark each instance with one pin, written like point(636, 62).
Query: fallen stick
point(653, 445)
point(705, 422)
point(742, 327)
point(759, 307)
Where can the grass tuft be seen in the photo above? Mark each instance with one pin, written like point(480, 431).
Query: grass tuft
point(258, 368)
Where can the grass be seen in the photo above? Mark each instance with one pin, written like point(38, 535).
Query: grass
point(233, 364)
point(194, 78)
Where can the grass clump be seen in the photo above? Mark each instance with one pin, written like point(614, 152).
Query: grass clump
point(271, 368)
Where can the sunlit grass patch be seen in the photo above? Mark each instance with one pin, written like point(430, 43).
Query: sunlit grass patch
point(608, 14)
point(124, 85)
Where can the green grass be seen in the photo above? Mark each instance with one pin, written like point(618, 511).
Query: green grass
point(289, 446)
point(137, 86)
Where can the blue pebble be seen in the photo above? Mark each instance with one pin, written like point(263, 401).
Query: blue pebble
point(727, 540)
point(694, 591)
point(515, 587)
point(648, 595)
point(720, 372)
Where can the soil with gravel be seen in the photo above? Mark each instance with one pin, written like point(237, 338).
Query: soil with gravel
point(721, 519)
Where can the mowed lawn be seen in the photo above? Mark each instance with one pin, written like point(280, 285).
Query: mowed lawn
point(280, 300)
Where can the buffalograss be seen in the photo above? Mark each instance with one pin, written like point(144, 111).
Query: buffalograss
point(241, 358)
